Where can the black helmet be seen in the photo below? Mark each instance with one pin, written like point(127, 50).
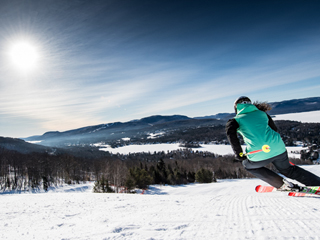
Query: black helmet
point(242, 99)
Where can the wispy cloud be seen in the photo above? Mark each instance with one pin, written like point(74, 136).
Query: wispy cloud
point(103, 63)
point(92, 93)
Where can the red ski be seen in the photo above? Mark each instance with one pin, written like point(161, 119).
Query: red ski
point(306, 191)
point(263, 189)
point(297, 194)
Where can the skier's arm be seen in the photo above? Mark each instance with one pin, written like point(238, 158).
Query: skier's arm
point(272, 124)
point(231, 130)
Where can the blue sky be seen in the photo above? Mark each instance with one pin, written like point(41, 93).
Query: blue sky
point(106, 61)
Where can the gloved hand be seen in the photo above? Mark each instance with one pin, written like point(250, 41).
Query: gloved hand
point(240, 157)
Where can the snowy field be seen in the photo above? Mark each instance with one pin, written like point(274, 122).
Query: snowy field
point(293, 152)
point(228, 209)
point(310, 117)
point(313, 116)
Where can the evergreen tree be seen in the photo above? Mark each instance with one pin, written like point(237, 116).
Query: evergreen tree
point(139, 178)
point(102, 186)
point(204, 176)
point(191, 177)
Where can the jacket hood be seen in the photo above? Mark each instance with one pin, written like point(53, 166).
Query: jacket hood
point(245, 108)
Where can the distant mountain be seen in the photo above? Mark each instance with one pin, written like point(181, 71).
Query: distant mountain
point(289, 106)
point(136, 129)
point(21, 146)
point(296, 106)
point(175, 128)
point(157, 119)
point(218, 116)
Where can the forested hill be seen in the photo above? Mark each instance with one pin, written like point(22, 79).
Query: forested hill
point(167, 129)
point(136, 130)
point(190, 136)
point(283, 107)
point(296, 106)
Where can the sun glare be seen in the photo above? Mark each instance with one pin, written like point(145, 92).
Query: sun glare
point(24, 56)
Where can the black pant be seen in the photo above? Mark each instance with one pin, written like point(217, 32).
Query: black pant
point(281, 162)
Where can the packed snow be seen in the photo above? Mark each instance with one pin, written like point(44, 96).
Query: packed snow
point(228, 209)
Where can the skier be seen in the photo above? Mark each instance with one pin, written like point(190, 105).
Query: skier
point(263, 146)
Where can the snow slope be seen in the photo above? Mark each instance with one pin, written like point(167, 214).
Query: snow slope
point(228, 209)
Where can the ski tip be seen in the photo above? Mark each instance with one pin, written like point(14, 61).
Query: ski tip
point(263, 189)
point(258, 188)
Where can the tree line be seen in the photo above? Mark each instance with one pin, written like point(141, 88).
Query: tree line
point(35, 171)
point(292, 131)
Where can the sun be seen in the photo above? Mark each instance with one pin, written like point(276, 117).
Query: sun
point(24, 56)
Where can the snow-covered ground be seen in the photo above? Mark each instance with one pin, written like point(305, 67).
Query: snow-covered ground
point(228, 209)
point(313, 116)
point(293, 152)
point(310, 117)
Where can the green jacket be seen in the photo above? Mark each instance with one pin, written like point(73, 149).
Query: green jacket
point(254, 128)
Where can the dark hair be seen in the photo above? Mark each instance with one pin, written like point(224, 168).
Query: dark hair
point(263, 106)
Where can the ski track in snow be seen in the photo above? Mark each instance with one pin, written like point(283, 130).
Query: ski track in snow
point(228, 209)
